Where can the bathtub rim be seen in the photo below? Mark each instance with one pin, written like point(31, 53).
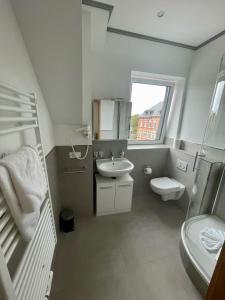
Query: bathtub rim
point(190, 256)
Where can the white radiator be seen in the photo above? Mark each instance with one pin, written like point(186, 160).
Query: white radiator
point(32, 278)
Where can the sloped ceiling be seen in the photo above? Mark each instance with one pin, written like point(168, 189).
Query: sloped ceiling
point(185, 21)
point(52, 31)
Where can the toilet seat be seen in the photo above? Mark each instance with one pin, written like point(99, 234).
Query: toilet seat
point(165, 185)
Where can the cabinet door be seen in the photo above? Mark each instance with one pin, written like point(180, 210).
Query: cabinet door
point(105, 198)
point(123, 198)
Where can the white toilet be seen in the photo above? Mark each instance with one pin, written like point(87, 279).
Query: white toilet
point(167, 188)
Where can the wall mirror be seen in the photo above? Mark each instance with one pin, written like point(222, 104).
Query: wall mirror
point(111, 119)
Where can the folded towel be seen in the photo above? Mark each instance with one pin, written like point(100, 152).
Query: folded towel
point(26, 223)
point(27, 177)
point(212, 239)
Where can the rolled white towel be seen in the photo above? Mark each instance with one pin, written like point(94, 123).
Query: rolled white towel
point(212, 239)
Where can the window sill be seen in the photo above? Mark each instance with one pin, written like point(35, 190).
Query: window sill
point(139, 146)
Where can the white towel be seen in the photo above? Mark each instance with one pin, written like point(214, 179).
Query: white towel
point(26, 223)
point(212, 239)
point(27, 177)
point(24, 188)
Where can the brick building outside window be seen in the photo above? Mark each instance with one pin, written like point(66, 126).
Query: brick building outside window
point(148, 123)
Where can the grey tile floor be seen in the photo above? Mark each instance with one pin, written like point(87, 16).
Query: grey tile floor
point(131, 256)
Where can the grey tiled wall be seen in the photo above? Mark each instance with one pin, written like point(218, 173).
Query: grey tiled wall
point(208, 177)
point(76, 181)
point(107, 147)
point(155, 158)
point(75, 190)
point(186, 178)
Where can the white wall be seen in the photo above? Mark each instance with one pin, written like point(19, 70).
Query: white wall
point(69, 77)
point(112, 65)
point(16, 69)
point(65, 133)
point(86, 66)
point(52, 31)
point(204, 69)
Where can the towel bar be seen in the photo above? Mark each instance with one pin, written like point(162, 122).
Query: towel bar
point(75, 171)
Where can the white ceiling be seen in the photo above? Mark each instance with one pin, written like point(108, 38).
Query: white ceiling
point(185, 21)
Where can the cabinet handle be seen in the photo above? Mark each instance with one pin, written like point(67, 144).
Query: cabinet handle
point(106, 187)
point(124, 185)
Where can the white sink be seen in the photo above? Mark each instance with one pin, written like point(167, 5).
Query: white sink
point(117, 167)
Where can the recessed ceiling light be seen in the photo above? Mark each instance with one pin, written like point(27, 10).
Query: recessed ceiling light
point(160, 13)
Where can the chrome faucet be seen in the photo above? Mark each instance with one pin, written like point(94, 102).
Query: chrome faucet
point(112, 156)
point(122, 153)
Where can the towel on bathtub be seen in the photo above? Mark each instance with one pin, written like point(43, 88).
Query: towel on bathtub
point(212, 239)
point(27, 176)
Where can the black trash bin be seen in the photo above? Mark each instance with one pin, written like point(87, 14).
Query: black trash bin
point(66, 220)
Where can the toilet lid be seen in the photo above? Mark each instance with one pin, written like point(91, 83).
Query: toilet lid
point(166, 183)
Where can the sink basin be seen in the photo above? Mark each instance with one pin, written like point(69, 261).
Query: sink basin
point(117, 167)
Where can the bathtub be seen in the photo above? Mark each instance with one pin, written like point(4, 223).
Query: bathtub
point(198, 262)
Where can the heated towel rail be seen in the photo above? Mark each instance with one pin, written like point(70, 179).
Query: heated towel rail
point(30, 279)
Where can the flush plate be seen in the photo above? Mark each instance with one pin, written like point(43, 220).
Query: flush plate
point(182, 165)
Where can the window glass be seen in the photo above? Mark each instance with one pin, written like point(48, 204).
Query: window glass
point(148, 109)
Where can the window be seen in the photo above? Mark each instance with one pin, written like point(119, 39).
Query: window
point(151, 101)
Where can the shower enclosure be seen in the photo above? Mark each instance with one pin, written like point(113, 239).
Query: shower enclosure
point(207, 204)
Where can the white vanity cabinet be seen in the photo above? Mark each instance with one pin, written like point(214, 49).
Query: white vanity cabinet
point(113, 195)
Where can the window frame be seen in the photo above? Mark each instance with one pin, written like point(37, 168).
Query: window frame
point(165, 110)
